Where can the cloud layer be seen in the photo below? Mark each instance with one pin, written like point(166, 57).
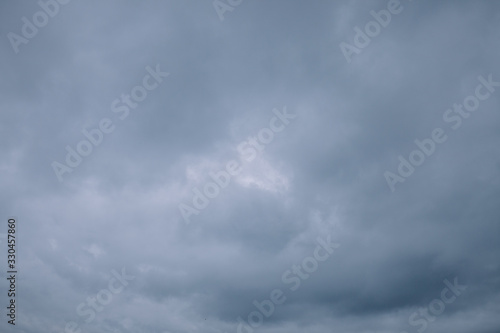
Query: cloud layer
point(322, 176)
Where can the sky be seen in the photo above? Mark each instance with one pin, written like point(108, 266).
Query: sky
point(250, 166)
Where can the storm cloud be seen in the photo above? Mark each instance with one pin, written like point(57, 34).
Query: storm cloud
point(251, 166)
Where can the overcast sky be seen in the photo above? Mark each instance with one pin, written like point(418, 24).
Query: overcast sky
point(303, 118)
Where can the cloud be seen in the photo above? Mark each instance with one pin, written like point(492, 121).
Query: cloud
point(322, 175)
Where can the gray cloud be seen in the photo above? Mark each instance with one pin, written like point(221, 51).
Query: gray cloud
point(323, 175)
